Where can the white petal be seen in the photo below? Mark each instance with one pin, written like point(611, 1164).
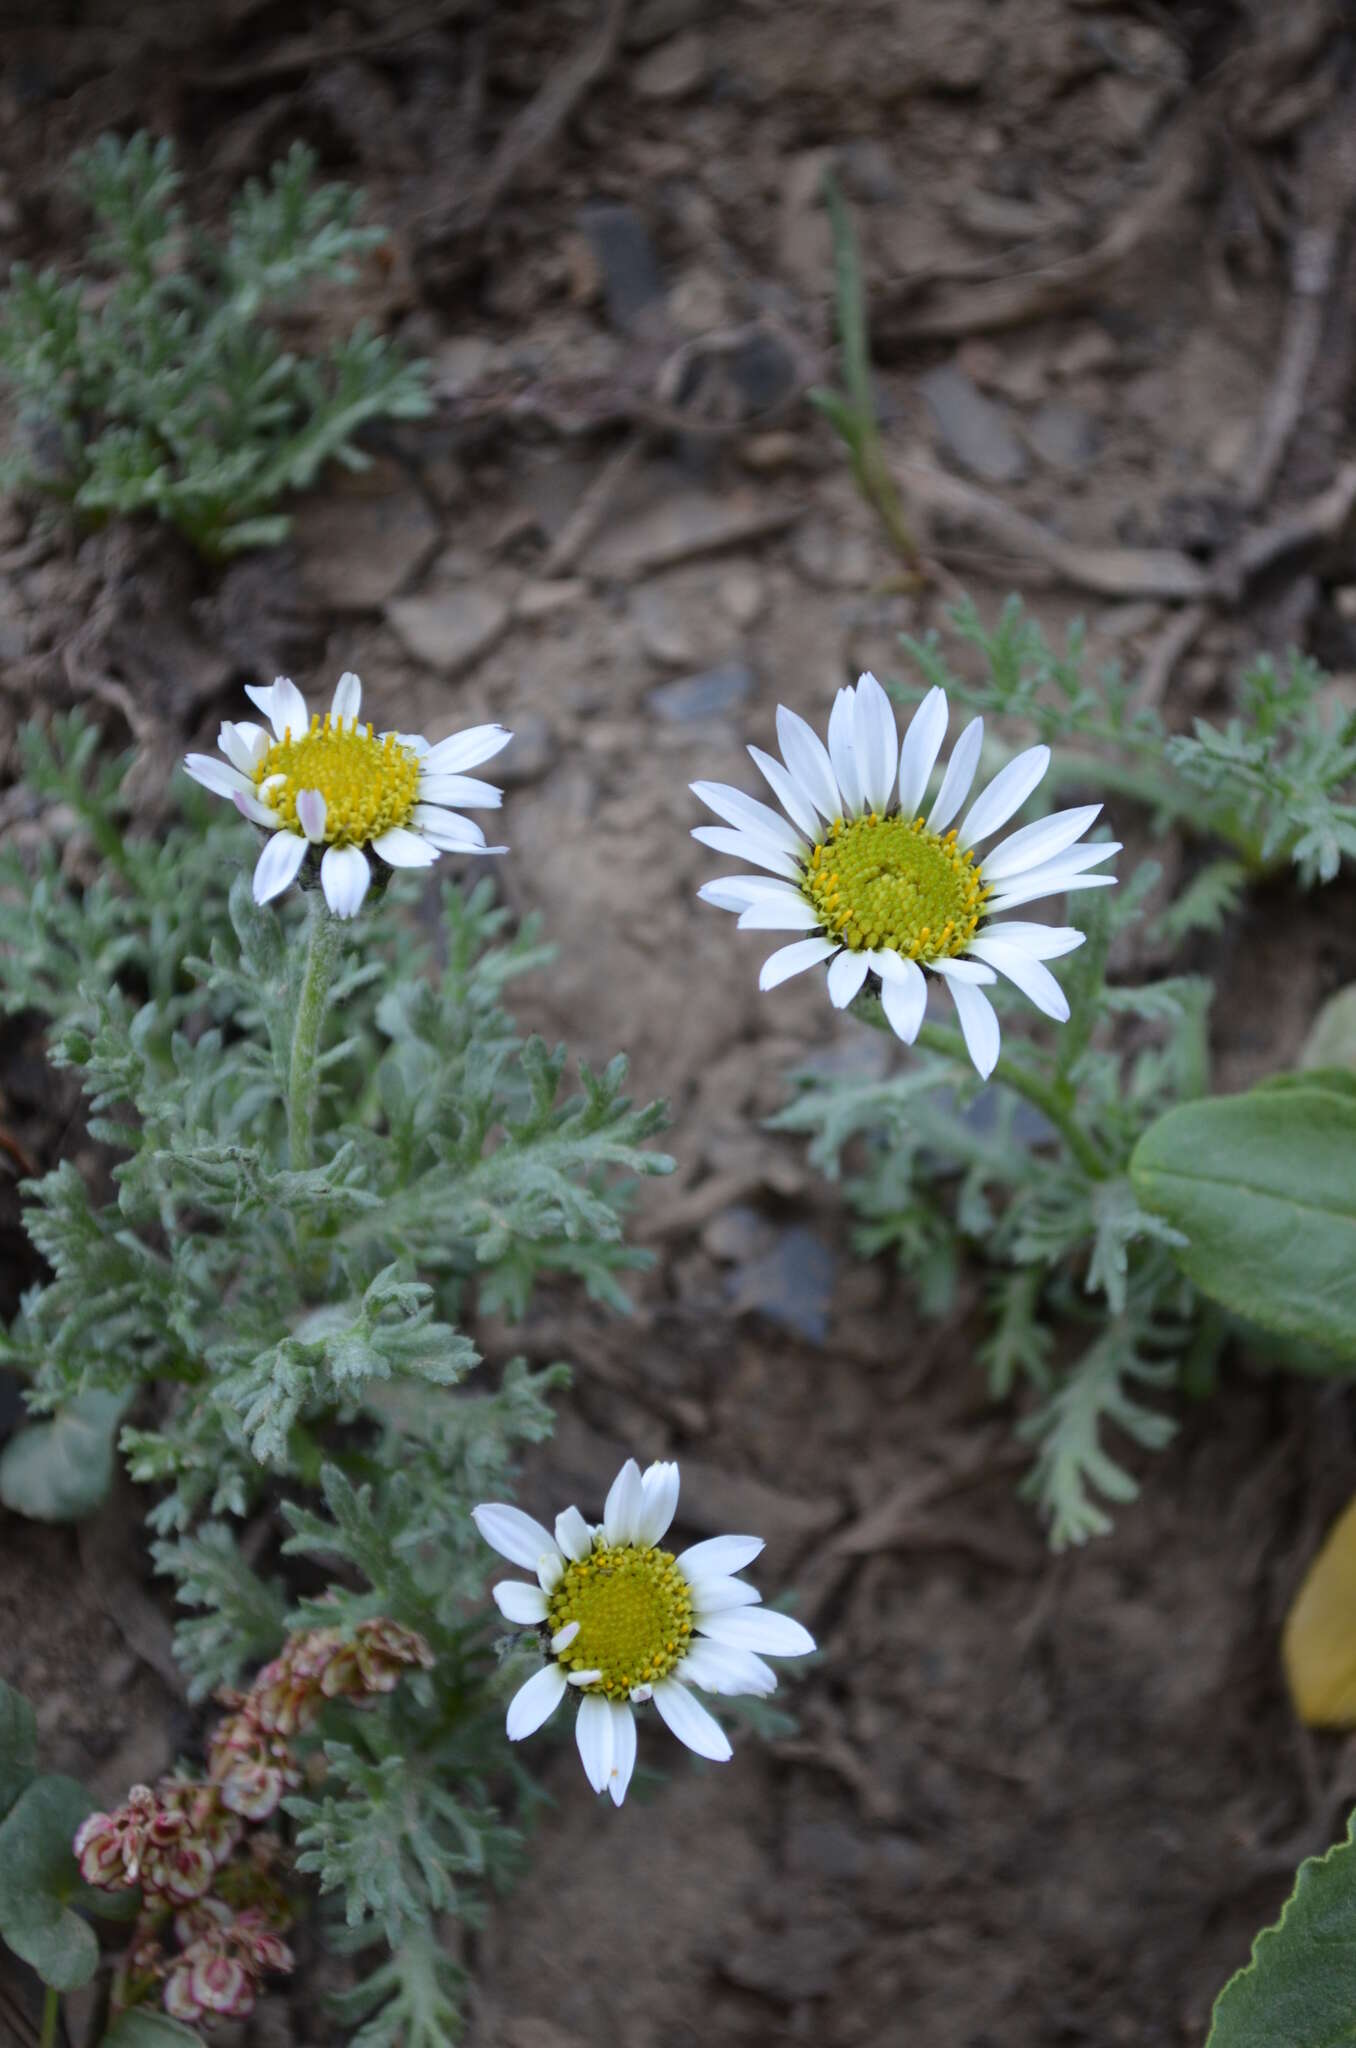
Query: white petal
point(964, 970)
point(978, 1023)
point(244, 745)
point(760, 1630)
point(624, 1504)
point(535, 1702)
point(891, 966)
point(218, 776)
point(789, 960)
point(344, 877)
point(513, 1534)
point(788, 792)
point(251, 808)
point(714, 1596)
point(277, 865)
point(1037, 983)
point(846, 975)
point(748, 815)
point(283, 706)
point(593, 1735)
point(762, 853)
point(843, 752)
point(563, 1637)
point(1041, 941)
point(737, 892)
point(690, 1722)
point(516, 1602)
point(550, 1570)
point(659, 1483)
point(445, 792)
point(1005, 795)
point(780, 914)
point(623, 1750)
point(583, 1677)
point(716, 1668)
point(875, 742)
point(573, 1534)
point(1038, 843)
point(311, 812)
point(446, 830)
point(462, 750)
point(960, 773)
point(717, 1555)
point(905, 1000)
point(348, 699)
point(807, 757)
point(1051, 881)
point(918, 756)
point(467, 790)
point(400, 848)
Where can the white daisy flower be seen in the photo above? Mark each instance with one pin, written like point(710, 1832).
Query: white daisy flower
point(871, 885)
point(627, 1622)
point(336, 784)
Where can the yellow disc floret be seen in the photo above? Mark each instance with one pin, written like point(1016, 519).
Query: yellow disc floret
point(889, 885)
point(634, 1610)
point(368, 784)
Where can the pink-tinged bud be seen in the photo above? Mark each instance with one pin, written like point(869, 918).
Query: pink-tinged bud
point(251, 1769)
point(374, 1661)
point(204, 1818)
point(219, 1984)
point(259, 1944)
point(110, 1846)
point(180, 1872)
point(205, 1920)
point(177, 1997)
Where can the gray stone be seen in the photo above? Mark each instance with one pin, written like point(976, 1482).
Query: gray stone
point(792, 1285)
point(711, 694)
point(681, 524)
point(741, 594)
point(673, 70)
point(1063, 436)
point(545, 596)
point(621, 243)
point(448, 630)
point(364, 538)
point(829, 556)
point(978, 433)
point(664, 632)
point(530, 753)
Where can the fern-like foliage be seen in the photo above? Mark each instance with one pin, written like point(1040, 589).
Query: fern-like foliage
point(160, 383)
point(273, 1331)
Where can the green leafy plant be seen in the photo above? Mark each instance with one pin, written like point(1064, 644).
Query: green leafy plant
point(159, 382)
point(329, 1150)
point(1129, 1220)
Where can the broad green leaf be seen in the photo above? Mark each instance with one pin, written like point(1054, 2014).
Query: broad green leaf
point(18, 1746)
point(60, 1470)
point(141, 2026)
point(1318, 1643)
point(1299, 1990)
point(38, 1874)
point(1263, 1186)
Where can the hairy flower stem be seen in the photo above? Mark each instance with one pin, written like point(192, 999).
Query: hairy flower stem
point(1049, 1100)
point(51, 2012)
point(322, 954)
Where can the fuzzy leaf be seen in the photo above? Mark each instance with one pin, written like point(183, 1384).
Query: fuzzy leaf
point(1299, 1990)
point(38, 1874)
point(1262, 1186)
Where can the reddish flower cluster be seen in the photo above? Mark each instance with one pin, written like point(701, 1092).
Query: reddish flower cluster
point(179, 1842)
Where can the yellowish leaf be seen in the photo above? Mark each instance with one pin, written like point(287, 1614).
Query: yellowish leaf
point(1318, 1642)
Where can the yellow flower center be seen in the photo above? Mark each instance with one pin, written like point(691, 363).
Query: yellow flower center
point(634, 1610)
point(890, 885)
point(368, 784)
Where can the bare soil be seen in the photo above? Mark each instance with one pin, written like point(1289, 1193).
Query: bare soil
point(1031, 1801)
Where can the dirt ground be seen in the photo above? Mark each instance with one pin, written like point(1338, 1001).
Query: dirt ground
point(1031, 1801)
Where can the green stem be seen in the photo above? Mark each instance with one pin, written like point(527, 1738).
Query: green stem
point(1052, 1103)
point(317, 973)
point(51, 2012)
